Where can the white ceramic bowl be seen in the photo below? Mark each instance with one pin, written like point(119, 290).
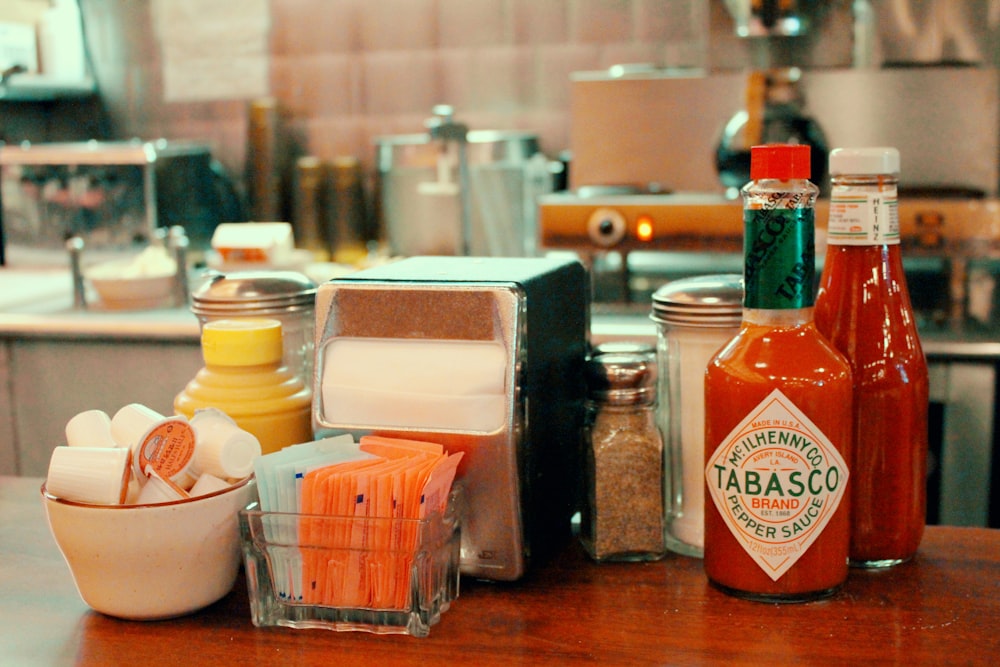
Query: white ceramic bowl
point(130, 293)
point(148, 562)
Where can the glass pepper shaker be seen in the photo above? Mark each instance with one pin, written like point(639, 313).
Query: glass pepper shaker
point(622, 517)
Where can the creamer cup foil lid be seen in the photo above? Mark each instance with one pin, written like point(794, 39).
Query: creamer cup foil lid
point(167, 448)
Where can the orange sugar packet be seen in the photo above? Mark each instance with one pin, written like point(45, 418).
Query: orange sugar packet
point(425, 456)
point(434, 496)
point(361, 555)
point(331, 491)
point(392, 448)
point(384, 562)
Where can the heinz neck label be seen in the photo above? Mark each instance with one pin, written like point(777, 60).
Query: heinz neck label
point(863, 216)
point(779, 258)
point(776, 480)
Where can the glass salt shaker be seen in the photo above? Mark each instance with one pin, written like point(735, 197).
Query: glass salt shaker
point(622, 518)
point(695, 317)
point(287, 296)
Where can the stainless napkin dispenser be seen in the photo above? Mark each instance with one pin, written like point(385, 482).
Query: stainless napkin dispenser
point(482, 355)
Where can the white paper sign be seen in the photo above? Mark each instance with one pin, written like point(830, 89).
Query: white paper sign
point(213, 50)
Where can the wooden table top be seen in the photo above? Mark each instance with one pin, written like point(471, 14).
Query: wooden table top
point(941, 608)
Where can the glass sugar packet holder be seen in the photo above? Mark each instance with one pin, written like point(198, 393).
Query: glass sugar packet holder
point(371, 574)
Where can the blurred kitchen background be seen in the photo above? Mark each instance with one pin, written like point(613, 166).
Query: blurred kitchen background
point(348, 71)
point(651, 96)
point(631, 117)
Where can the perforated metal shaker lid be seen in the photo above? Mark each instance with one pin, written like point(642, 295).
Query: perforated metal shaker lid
point(622, 377)
point(257, 293)
point(700, 301)
point(626, 346)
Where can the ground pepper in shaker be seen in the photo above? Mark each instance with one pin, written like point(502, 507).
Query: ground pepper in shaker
point(622, 518)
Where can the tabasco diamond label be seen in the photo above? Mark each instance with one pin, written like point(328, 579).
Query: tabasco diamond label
point(776, 479)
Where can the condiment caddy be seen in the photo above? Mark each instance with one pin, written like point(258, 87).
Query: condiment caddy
point(353, 535)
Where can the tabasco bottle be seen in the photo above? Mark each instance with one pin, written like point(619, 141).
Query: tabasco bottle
point(863, 307)
point(778, 408)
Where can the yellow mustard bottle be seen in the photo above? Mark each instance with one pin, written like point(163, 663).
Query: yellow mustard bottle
point(244, 377)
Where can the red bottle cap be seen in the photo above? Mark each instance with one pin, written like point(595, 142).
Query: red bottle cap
point(780, 161)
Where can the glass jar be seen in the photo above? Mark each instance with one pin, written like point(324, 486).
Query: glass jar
point(695, 317)
point(622, 518)
point(287, 296)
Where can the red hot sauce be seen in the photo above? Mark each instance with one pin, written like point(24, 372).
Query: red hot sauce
point(778, 409)
point(863, 307)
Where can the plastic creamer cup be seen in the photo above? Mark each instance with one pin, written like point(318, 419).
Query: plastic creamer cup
point(163, 444)
point(131, 423)
point(207, 484)
point(97, 475)
point(224, 449)
point(158, 490)
point(91, 428)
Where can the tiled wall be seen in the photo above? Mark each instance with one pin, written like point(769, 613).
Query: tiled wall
point(346, 71)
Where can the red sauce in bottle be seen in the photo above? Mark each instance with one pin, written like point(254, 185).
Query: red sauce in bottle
point(778, 407)
point(864, 308)
point(814, 376)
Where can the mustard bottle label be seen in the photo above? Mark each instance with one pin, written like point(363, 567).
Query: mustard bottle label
point(776, 479)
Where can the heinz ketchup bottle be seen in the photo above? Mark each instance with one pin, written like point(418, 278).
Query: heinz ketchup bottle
point(777, 408)
point(863, 307)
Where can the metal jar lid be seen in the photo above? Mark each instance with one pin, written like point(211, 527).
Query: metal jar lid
point(701, 301)
point(257, 293)
point(624, 346)
point(622, 378)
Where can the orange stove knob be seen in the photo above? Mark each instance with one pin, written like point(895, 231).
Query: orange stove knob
point(606, 227)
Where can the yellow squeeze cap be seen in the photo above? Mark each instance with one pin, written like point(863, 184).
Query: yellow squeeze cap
point(242, 342)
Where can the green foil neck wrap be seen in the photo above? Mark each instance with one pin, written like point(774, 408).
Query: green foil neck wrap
point(779, 258)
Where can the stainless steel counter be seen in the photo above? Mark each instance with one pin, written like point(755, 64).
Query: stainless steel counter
point(166, 325)
point(39, 304)
point(56, 361)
